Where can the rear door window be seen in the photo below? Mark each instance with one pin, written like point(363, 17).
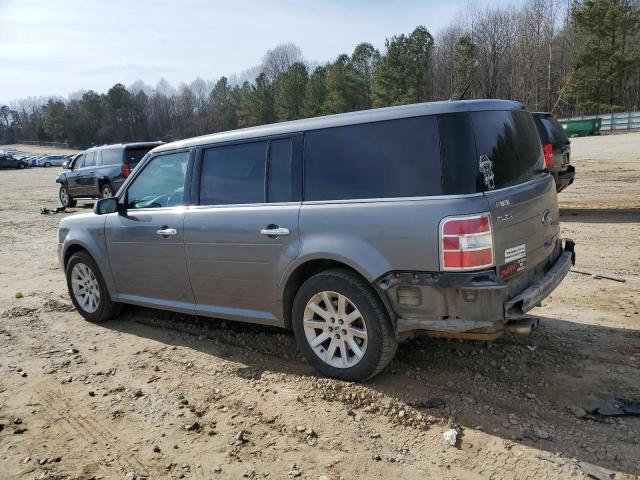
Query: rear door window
point(90, 159)
point(509, 140)
point(557, 133)
point(234, 174)
point(394, 158)
point(279, 182)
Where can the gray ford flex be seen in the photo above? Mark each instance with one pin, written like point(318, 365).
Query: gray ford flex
point(355, 230)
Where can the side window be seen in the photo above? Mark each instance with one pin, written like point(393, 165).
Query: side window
point(111, 156)
point(90, 159)
point(280, 174)
point(233, 174)
point(161, 183)
point(79, 162)
point(394, 158)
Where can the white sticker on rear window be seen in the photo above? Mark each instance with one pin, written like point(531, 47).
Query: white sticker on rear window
point(515, 253)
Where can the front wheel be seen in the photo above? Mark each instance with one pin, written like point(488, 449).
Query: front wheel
point(87, 289)
point(342, 327)
point(21, 166)
point(65, 197)
point(47, 165)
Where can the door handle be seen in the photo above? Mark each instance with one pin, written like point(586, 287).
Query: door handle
point(275, 231)
point(166, 232)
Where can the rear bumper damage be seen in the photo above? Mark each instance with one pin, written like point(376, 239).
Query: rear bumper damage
point(478, 305)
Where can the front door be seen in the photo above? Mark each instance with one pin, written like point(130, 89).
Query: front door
point(244, 233)
point(72, 175)
point(146, 243)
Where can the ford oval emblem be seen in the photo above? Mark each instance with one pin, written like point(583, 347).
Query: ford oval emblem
point(547, 217)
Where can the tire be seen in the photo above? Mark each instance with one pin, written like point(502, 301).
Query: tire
point(47, 165)
point(82, 268)
point(106, 191)
point(20, 166)
point(66, 200)
point(372, 326)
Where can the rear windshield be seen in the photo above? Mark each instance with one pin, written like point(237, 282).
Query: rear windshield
point(134, 155)
point(554, 131)
point(508, 148)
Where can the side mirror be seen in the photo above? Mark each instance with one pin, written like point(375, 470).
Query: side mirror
point(65, 165)
point(105, 206)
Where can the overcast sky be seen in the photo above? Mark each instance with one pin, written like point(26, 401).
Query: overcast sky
point(56, 47)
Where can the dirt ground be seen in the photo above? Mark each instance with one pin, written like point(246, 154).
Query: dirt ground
point(161, 395)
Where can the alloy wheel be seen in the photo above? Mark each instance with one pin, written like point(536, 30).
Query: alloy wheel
point(86, 289)
point(335, 329)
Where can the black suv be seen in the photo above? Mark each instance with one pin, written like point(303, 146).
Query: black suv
point(100, 171)
point(557, 149)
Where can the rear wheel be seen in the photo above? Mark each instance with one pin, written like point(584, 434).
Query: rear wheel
point(65, 197)
point(107, 191)
point(342, 327)
point(87, 289)
point(21, 165)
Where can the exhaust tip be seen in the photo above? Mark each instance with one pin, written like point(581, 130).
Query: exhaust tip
point(522, 327)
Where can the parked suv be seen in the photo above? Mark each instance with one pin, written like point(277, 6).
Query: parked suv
point(354, 229)
point(556, 147)
point(100, 171)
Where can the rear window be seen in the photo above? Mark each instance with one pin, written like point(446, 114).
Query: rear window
point(134, 155)
point(557, 135)
point(395, 158)
point(507, 143)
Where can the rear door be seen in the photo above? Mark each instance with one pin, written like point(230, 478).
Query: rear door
point(522, 198)
point(244, 232)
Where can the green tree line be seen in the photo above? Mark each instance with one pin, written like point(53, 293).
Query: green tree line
point(566, 56)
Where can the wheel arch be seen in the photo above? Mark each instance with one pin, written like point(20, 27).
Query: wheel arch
point(305, 269)
point(75, 245)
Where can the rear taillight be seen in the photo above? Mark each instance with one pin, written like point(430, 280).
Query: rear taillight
point(125, 170)
point(466, 243)
point(547, 148)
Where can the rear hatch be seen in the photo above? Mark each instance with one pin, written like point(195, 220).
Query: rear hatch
point(551, 132)
point(521, 195)
point(135, 152)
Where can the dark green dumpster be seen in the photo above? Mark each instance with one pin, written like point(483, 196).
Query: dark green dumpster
point(581, 128)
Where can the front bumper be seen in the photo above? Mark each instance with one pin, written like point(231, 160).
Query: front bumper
point(455, 304)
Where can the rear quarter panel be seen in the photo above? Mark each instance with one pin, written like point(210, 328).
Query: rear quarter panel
point(375, 237)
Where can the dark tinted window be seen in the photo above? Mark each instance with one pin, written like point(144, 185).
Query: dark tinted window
point(161, 183)
point(395, 158)
point(111, 156)
point(557, 134)
point(458, 150)
point(134, 155)
point(90, 159)
point(279, 184)
point(509, 139)
point(233, 174)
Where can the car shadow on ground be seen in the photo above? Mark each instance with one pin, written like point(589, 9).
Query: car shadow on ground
point(600, 215)
point(528, 390)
